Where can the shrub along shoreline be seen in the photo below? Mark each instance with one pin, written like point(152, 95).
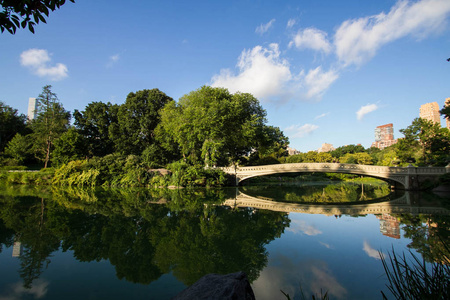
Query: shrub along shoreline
point(119, 171)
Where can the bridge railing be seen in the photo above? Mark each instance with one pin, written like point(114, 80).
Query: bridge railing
point(340, 167)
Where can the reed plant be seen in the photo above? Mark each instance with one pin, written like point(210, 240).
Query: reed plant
point(413, 278)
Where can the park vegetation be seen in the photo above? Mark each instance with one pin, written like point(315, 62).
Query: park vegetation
point(151, 140)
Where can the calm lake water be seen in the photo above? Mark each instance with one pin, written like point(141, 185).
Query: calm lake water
point(143, 244)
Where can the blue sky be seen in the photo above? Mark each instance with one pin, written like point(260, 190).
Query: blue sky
point(325, 71)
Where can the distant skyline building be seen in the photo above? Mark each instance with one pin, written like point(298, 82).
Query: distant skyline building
point(430, 111)
point(447, 120)
point(326, 148)
point(292, 151)
point(384, 136)
point(31, 108)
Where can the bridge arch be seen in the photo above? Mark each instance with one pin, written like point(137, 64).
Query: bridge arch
point(400, 177)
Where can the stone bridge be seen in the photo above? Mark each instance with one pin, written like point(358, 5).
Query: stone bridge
point(403, 204)
point(408, 178)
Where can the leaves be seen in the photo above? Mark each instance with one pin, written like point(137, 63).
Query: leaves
point(16, 10)
point(216, 128)
point(51, 122)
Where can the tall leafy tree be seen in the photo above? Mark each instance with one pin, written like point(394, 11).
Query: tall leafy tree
point(137, 120)
point(425, 142)
point(11, 123)
point(51, 121)
point(94, 124)
point(214, 127)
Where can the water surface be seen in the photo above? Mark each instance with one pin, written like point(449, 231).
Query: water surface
point(142, 244)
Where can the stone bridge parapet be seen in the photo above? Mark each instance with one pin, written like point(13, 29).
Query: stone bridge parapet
point(408, 178)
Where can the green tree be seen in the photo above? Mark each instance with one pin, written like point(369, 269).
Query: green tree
point(69, 146)
point(51, 122)
point(341, 151)
point(26, 13)
point(363, 158)
point(214, 127)
point(94, 124)
point(425, 142)
point(18, 148)
point(137, 120)
point(445, 111)
point(388, 157)
point(11, 123)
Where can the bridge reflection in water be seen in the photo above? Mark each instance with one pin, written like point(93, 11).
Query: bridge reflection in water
point(406, 204)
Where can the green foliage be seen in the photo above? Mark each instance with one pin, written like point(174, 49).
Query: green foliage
point(310, 157)
point(129, 171)
point(215, 128)
point(137, 120)
point(75, 173)
point(425, 142)
point(94, 124)
point(361, 158)
point(445, 111)
point(156, 155)
point(11, 123)
point(19, 148)
point(26, 13)
point(42, 177)
point(341, 151)
point(186, 175)
point(69, 146)
point(51, 121)
point(7, 168)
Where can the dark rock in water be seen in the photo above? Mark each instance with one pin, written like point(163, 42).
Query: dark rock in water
point(233, 286)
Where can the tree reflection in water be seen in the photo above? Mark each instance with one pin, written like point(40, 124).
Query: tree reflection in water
point(190, 235)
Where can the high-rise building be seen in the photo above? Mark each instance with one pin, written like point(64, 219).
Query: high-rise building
point(292, 151)
point(384, 132)
point(384, 136)
point(326, 148)
point(31, 108)
point(430, 111)
point(447, 103)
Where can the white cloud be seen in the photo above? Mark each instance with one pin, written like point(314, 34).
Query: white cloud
point(291, 23)
point(301, 226)
point(112, 60)
point(311, 38)
point(38, 61)
point(265, 73)
point(261, 72)
point(300, 131)
point(358, 40)
point(364, 110)
point(263, 28)
point(321, 116)
point(370, 251)
point(317, 82)
point(114, 57)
